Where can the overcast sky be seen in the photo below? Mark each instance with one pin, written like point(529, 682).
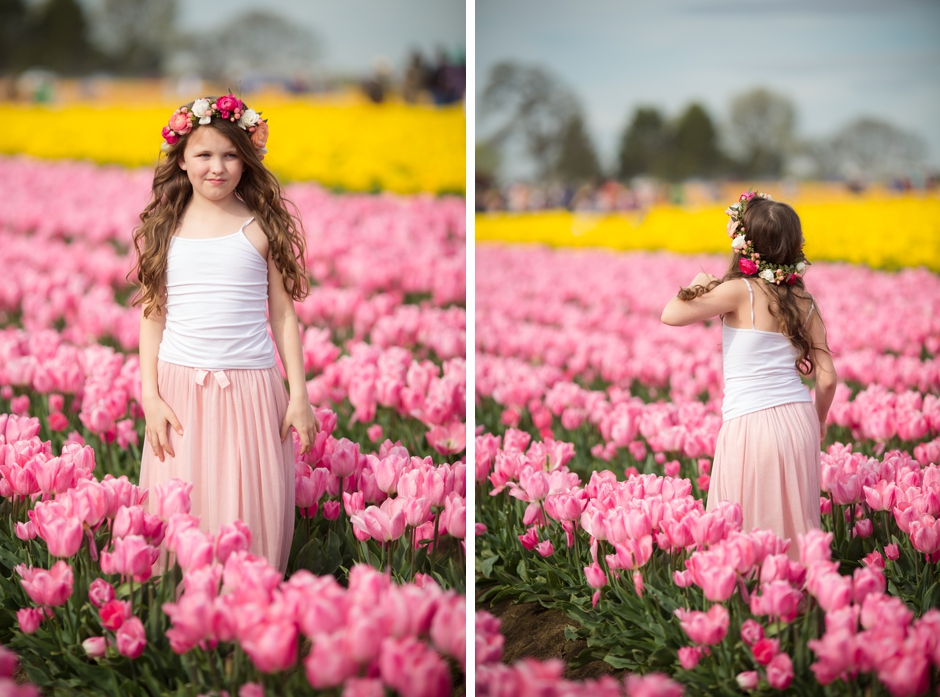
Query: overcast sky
point(835, 59)
point(353, 32)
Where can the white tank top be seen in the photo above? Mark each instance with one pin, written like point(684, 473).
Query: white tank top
point(216, 304)
point(759, 369)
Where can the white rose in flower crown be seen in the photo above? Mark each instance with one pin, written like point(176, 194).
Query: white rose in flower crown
point(800, 267)
point(248, 119)
point(200, 109)
point(767, 275)
point(739, 242)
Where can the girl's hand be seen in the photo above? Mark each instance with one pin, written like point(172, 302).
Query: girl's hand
point(702, 279)
point(300, 415)
point(158, 415)
point(823, 427)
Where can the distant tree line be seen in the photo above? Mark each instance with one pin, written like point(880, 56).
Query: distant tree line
point(538, 114)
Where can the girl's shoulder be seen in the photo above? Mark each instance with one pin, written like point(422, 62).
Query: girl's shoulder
point(255, 234)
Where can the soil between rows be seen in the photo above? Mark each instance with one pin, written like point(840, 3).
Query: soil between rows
point(531, 630)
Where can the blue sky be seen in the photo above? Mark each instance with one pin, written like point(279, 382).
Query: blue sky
point(354, 32)
point(835, 59)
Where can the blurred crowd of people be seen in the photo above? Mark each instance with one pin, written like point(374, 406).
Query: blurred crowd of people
point(440, 81)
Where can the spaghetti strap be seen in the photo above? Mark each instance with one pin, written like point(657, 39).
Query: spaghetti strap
point(751, 292)
point(812, 306)
point(246, 223)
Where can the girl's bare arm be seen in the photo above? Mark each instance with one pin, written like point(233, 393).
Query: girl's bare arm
point(824, 371)
point(720, 300)
point(157, 413)
point(286, 333)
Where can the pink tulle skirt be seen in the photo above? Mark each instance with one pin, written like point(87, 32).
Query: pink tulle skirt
point(768, 461)
point(231, 451)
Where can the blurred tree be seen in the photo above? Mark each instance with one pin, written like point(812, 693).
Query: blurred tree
point(533, 107)
point(134, 34)
point(876, 149)
point(12, 29)
point(55, 36)
point(257, 43)
point(643, 145)
point(694, 146)
point(761, 132)
point(577, 159)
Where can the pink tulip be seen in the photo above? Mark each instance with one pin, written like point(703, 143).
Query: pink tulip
point(29, 619)
point(652, 685)
point(48, 588)
point(689, 656)
point(751, 632)
point(815, 545)
point(454, 515)
point(328, 665)
point(193, 619)
point(765, 649)
point(193, 548)
point(780, 672)
point(233, 537)
point(272, 646)
point(596, 577)
point(130, 556)
point(113, 613)
point(379, 524)
point(100, 592)
point(173, 497)
point(705, 628)
point(363, 687)
point(747, 680)
point(345, 458)
point(545, 548)
point(131, 639)
point(95, 647)
point(867, 580)
point(448, 627)
point(863, 528)
point(777, 599)
point(414, 670)
point(891, 551)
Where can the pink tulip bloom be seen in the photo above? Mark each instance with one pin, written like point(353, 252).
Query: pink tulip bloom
point(48, 588)
point(747, 680)
point(131, 639)
point(449, 439)
point(454, 515)
point(449, 627)
point(751, 632)
point(56, 475)
point(418, 511)
point(95, 647)
point(780, 672)
point(233, 537)
point(906, 674)
point(63, 536)
point(328, 665)
point(652, 685)
point(128, 521)
point(863, 528)
point(100, 592)
point(113, 613)
point(193, 619)
point(596, 577)
point(272, 646)
point(705, 628)
point(413, 669)
point(193, 548)
point(777, 599)
point(26, 531)
point(345, 458)
point(765, 649)
point(874, 560)
point(716, 579)
point(172, 498)
point(867, 580)
point(891, 551)
point(545, 548)
point(815, 545)
point(331, 510)
point(29, 619)
point(379, 524)
point(689, 656)
point(130, 556)
point(363, 687)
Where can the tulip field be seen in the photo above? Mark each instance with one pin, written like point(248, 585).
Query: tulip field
point(373, 601)
point(596, 428)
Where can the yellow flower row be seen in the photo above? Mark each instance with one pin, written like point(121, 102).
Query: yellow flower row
point(882, 233)
point(359, 147)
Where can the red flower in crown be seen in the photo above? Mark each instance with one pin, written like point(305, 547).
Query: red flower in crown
point(748, 267)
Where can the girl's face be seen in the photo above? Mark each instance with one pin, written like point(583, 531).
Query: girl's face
point(212, 164)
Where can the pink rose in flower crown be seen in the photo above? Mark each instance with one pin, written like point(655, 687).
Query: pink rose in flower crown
point(228, 104)
point(180, 122)
point(746, 196)
point(169, 136)
point(748, 267)
point(260, 136)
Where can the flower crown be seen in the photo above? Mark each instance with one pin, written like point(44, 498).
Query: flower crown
point(750, 262)
point(229, 107)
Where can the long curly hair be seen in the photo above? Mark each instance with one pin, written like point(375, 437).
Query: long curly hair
point(258, 188)
point(775, 231)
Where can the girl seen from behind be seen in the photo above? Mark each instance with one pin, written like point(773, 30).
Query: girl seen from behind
point(767, 456)
point(217, 250)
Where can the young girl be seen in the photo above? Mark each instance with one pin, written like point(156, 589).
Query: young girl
point(767, 455)
point(216, 248)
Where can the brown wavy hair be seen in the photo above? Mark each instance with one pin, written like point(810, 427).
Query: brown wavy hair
point(775, 231)
point(258, 188)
